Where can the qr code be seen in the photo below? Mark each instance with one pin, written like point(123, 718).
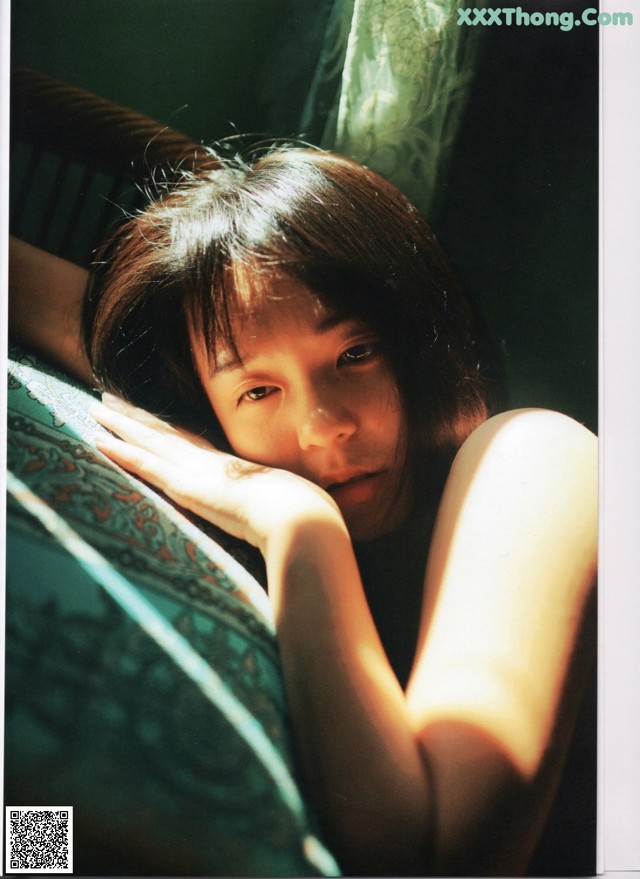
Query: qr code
point(39, 839)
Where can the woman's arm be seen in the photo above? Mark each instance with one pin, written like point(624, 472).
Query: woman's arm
point(428, 781)
point(466, 757)
point(507, 635)
point(45, 305)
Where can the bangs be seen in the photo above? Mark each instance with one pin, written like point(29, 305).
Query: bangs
point(230, 301)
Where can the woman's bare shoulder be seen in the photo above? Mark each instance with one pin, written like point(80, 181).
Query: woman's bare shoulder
point(540, 445)
point(524, 427)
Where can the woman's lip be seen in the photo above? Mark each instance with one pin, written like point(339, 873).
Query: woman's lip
point(340, 481)
point(356, 490)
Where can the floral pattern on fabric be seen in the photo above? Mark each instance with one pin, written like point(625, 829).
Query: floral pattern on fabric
point(100, 715)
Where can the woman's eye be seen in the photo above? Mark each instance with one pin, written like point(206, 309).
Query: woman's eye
point(359, 353)
point(256, 394)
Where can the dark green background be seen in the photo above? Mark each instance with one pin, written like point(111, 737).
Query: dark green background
point(517, 210)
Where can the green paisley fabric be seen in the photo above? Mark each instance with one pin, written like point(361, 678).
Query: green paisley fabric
point(99, 715)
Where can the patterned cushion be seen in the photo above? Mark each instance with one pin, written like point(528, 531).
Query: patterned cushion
point(156, 711)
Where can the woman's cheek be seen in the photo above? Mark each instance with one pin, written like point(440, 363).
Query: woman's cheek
point(256, 441)
point(244, 431)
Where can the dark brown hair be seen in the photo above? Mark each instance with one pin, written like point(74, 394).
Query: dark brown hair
point(350, 236)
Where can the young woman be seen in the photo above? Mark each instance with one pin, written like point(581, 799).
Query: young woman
point(430, 562)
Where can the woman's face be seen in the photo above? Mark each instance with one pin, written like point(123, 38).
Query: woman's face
point(313, 395)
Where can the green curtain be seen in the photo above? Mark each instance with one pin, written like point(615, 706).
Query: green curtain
point(390, 87)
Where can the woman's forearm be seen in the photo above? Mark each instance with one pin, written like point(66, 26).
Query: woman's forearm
point(45, 306)
point(361, 758)
point(429, 781)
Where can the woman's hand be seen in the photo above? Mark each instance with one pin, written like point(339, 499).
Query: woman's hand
point(248, 500)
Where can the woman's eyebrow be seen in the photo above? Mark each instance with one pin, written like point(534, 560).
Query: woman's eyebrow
point(329, 321)
point(227, 361)
point(332, 320)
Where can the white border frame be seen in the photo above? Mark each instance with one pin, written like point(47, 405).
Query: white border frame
point(619, 770)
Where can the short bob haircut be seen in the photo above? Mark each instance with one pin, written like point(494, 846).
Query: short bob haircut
point(346, 233)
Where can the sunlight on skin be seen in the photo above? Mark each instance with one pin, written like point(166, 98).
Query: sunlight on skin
point(496, 640)
point(500, 677)
point(493, 658)
point(312, 394)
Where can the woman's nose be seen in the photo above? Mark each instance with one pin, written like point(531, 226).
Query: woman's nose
point(322, 425)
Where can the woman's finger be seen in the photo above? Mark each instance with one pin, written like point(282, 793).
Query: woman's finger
point(183, 485)
point(133, 458)
point(141, 427)
point(130, 429)
point(142, 416)
point(115, 404)
point(159, 471)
